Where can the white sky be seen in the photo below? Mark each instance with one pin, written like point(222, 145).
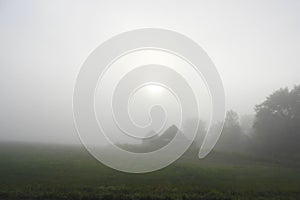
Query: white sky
point(254, 44)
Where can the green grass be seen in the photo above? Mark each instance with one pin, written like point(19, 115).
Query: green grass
point(57, 172)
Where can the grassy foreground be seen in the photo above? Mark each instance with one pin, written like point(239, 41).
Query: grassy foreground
point(57, 172)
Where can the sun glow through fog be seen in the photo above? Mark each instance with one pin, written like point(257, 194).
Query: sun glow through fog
point(155, 89)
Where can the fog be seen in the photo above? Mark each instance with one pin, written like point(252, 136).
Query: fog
point(255, 46)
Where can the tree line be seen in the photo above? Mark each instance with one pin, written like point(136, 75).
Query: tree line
point(273, 130)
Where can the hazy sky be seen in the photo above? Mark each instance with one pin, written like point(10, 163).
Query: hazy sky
point(255, 46)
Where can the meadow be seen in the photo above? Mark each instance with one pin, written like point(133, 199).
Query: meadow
point(35, 171)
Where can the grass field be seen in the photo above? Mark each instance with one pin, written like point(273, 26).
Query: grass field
point(57, 172)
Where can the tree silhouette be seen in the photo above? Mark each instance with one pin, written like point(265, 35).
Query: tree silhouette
point(232, 138)
point(277, 122)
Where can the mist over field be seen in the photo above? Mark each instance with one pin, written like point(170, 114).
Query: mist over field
point(254, 46)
